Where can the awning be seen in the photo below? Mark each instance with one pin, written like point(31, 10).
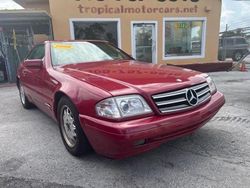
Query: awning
point(23, 15)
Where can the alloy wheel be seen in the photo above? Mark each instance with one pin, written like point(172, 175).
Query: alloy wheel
point(68, 127)
point(238, 56)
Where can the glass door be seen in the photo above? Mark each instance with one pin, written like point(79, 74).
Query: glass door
point(144, 42)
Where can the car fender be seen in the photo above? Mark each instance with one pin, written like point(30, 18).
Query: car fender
point(82, 94)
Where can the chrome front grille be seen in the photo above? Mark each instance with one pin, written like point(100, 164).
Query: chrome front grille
point(180, 100)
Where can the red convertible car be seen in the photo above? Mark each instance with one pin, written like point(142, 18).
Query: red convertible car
point(104, 99)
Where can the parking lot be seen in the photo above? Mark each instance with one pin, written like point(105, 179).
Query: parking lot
point(218, 155)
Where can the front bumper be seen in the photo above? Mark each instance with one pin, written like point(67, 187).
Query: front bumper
point(120, 139)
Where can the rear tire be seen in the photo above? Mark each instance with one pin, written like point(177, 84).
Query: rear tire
point(237, 56)
point(24, 100)
point(71, 131)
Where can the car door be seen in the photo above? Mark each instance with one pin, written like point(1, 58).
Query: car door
point(28, 74)
point(35, 79)
point(40, 83)
point(229, 47)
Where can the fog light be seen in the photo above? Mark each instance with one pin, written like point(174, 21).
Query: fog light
point(139, 142)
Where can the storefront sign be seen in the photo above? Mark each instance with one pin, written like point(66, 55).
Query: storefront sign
point(84, 8)
point(143, 9)
point(133, 10)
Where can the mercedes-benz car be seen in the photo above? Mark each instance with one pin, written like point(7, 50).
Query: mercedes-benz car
point(105, 100)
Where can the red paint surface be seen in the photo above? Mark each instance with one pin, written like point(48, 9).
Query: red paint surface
point(88, 83)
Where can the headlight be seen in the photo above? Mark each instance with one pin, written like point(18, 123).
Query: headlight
point(212, 85)
point(123, 106)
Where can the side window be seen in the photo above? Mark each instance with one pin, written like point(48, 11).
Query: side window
point(37, 53)
point(241, 41)
point(33, 51)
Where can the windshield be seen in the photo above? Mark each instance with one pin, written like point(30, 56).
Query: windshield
point(64, 53)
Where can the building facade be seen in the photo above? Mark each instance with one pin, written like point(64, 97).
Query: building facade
point(157, 31)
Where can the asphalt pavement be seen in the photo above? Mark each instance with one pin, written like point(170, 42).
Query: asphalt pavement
point(218, 155)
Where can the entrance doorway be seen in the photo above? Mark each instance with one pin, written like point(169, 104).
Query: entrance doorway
point(144, 41)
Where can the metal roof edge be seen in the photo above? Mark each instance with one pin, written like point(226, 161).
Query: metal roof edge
point(24, 11)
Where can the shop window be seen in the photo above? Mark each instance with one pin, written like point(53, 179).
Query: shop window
point(96, 30)
point(184, 38)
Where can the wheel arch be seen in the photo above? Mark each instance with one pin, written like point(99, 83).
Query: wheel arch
point(57, 97)
point(81, 94)
point(83, 143)
point(238, 50)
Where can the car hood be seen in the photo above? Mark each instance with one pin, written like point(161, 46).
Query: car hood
point(126, 77)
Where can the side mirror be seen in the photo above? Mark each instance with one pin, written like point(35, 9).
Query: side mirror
point(34, 63)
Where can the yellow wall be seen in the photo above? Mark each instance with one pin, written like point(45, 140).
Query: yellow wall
point(63, 10)
point(36, 6)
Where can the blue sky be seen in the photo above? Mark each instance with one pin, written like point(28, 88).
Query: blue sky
point(235, 13)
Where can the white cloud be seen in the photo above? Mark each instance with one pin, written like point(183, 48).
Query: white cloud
point(9, 4)
point(235, 14)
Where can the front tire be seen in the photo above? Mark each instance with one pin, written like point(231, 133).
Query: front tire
point(24, 100)
point(72, 134)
